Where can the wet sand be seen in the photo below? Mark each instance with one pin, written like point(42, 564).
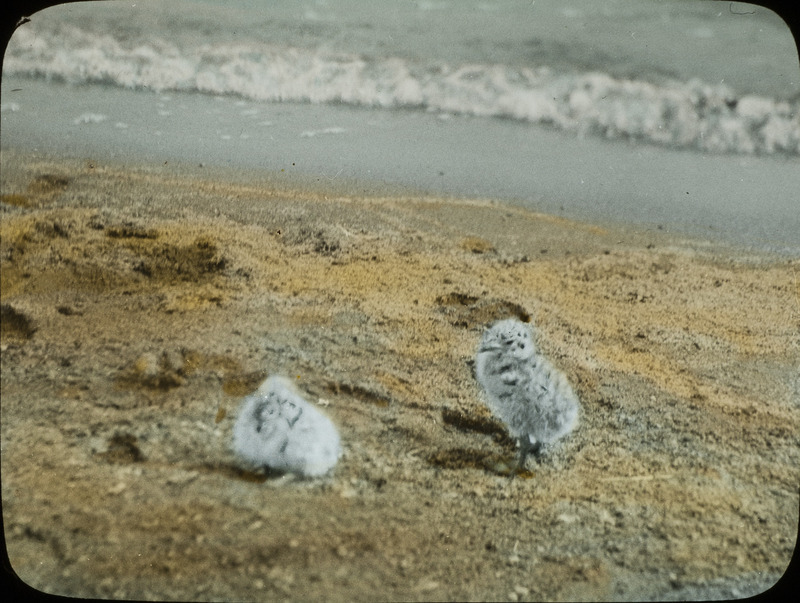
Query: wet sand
point(139, 304)
point(746, 200)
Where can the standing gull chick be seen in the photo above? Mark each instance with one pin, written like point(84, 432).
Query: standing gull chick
point(523, 389)
point(278, 429)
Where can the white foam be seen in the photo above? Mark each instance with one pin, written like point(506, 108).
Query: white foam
point(312, 133)
point(690, 114)
point(90, 118)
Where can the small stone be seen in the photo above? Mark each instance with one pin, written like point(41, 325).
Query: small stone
point(146, 365)
point(426, 585)
point(172, 360)
point(348, 493)
point(606, 517)
point(117, 488)
point(342, 551)
point(182, 477)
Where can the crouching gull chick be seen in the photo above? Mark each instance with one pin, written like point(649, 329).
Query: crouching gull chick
point(276, 428)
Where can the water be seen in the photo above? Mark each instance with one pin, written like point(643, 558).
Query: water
point(621, 110)
point(656, 72)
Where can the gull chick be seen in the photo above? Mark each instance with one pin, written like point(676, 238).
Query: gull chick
point(278, 429)
point(523, 389)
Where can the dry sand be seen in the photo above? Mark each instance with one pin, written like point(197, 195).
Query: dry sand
point(140, 304)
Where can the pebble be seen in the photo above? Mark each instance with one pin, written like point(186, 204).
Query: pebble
point(427, 585)
point(117, 488)
point(182, 477)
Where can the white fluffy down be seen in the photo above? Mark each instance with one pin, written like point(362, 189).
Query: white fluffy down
point(278, 429)
point(522, 388)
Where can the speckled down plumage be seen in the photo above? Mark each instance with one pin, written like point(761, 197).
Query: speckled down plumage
point(277, 428)
point(522, 388)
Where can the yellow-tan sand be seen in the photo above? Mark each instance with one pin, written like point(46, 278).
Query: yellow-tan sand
point(139, 305)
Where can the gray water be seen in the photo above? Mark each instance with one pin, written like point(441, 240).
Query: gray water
point(628, 111)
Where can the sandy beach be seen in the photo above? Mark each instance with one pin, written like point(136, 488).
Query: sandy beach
point(139, 304)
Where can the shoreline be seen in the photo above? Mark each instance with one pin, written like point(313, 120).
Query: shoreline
point(743, 199)
point(141, 303)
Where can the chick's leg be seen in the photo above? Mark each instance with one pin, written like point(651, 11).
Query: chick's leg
point(527, 445)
